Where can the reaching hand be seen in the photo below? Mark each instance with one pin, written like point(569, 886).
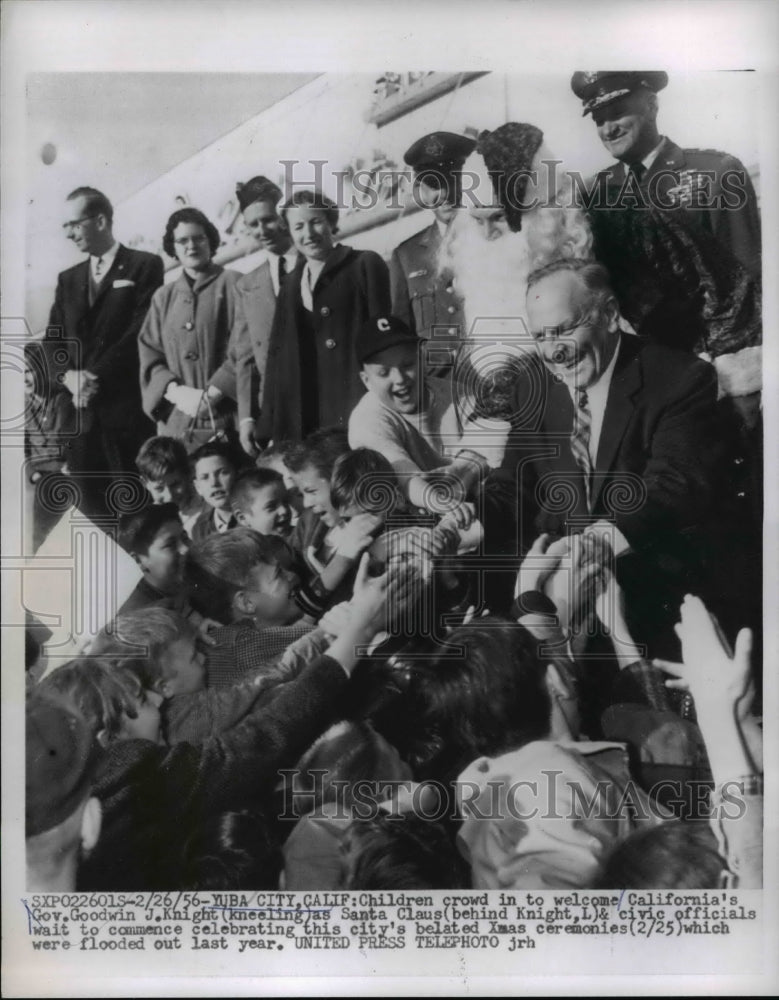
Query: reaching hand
point(356, 535)
point(542, 560)
point(709, 670)
point(248, 438)
point(334, 621)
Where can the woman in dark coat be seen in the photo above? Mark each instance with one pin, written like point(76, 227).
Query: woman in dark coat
point(313, 376)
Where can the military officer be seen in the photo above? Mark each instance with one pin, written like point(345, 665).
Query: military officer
point(424, 295)
point(713, 188)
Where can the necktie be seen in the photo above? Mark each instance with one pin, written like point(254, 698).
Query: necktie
point(580, 439)
point(638, 170)
point(95, 279)
point(282, 269)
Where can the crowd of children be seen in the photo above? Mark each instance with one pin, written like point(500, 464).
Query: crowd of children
point(310, 687)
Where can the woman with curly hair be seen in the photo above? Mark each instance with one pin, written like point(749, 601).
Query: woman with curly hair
point(184, 338)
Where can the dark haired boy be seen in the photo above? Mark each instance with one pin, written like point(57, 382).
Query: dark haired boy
point(214, 469)
point(259, 501)
point(156, 540)
point(163, 465)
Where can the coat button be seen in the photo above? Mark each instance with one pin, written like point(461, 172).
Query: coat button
point(191, 356)
point(189, 326)
point(452, 331)
point(324, 311)
point(451, 309)
point(329, 343)
point(450, 289)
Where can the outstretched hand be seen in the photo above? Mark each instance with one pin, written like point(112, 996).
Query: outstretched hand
point(710, 670)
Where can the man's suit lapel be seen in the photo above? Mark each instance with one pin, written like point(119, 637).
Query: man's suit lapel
point(626, 381)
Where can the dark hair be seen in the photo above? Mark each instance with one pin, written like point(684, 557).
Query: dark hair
point(350, 758)
point(220, 566)
point(673, 855)
point(257, 189)
point(312, 199)
point(365, 478)
point(159, 456)
point(211, 449)
point(102, 690)
point(196, 217)
point(248, 482)
point(322, 449)
point(232, 850)
point(483, 695)
point(96, 202)
point(138, 531)
point(402, 852)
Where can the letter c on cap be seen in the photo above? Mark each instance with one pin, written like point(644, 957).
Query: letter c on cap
point(383, 325)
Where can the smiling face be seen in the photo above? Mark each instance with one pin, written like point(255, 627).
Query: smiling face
point(269, 595)
point(163, 563)
point(190, 243)
point(576, 339)
point(627, 127)
point(437, 198)
point(268, 511)
point(311, 232)
point(267, 226)
point(90, 232)
point(214, 477)
point(393, 376)
point(315, 490)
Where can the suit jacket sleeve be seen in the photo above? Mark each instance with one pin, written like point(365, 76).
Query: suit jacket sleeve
point(682, 476)
point(238, 376)
point(155, 374)
point(122, 356)
point(224, 378)
point(401, 300)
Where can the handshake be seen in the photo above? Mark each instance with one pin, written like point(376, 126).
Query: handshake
point(83, 387)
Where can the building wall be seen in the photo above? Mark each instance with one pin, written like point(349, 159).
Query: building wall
point(327, 121)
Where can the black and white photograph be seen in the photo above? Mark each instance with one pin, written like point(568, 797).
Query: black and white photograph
point(389, 498)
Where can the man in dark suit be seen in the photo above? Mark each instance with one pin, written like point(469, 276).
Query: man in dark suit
point(99, 306)
point(423, 295)
point(621, 436)
point(713, 189)
point(256, 294)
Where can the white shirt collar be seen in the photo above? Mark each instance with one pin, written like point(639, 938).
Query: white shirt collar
point(650, 158)
point(107, 258)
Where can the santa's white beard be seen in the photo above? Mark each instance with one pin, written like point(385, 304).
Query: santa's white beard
point(491, 277)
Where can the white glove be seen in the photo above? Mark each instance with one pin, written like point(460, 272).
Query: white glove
point(81, 385)
point(185, 398)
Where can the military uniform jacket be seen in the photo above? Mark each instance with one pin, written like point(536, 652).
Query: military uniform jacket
point(717, 195)
point(102, 338)
point(424, 299)
point(184, 338)
point(317, 348)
